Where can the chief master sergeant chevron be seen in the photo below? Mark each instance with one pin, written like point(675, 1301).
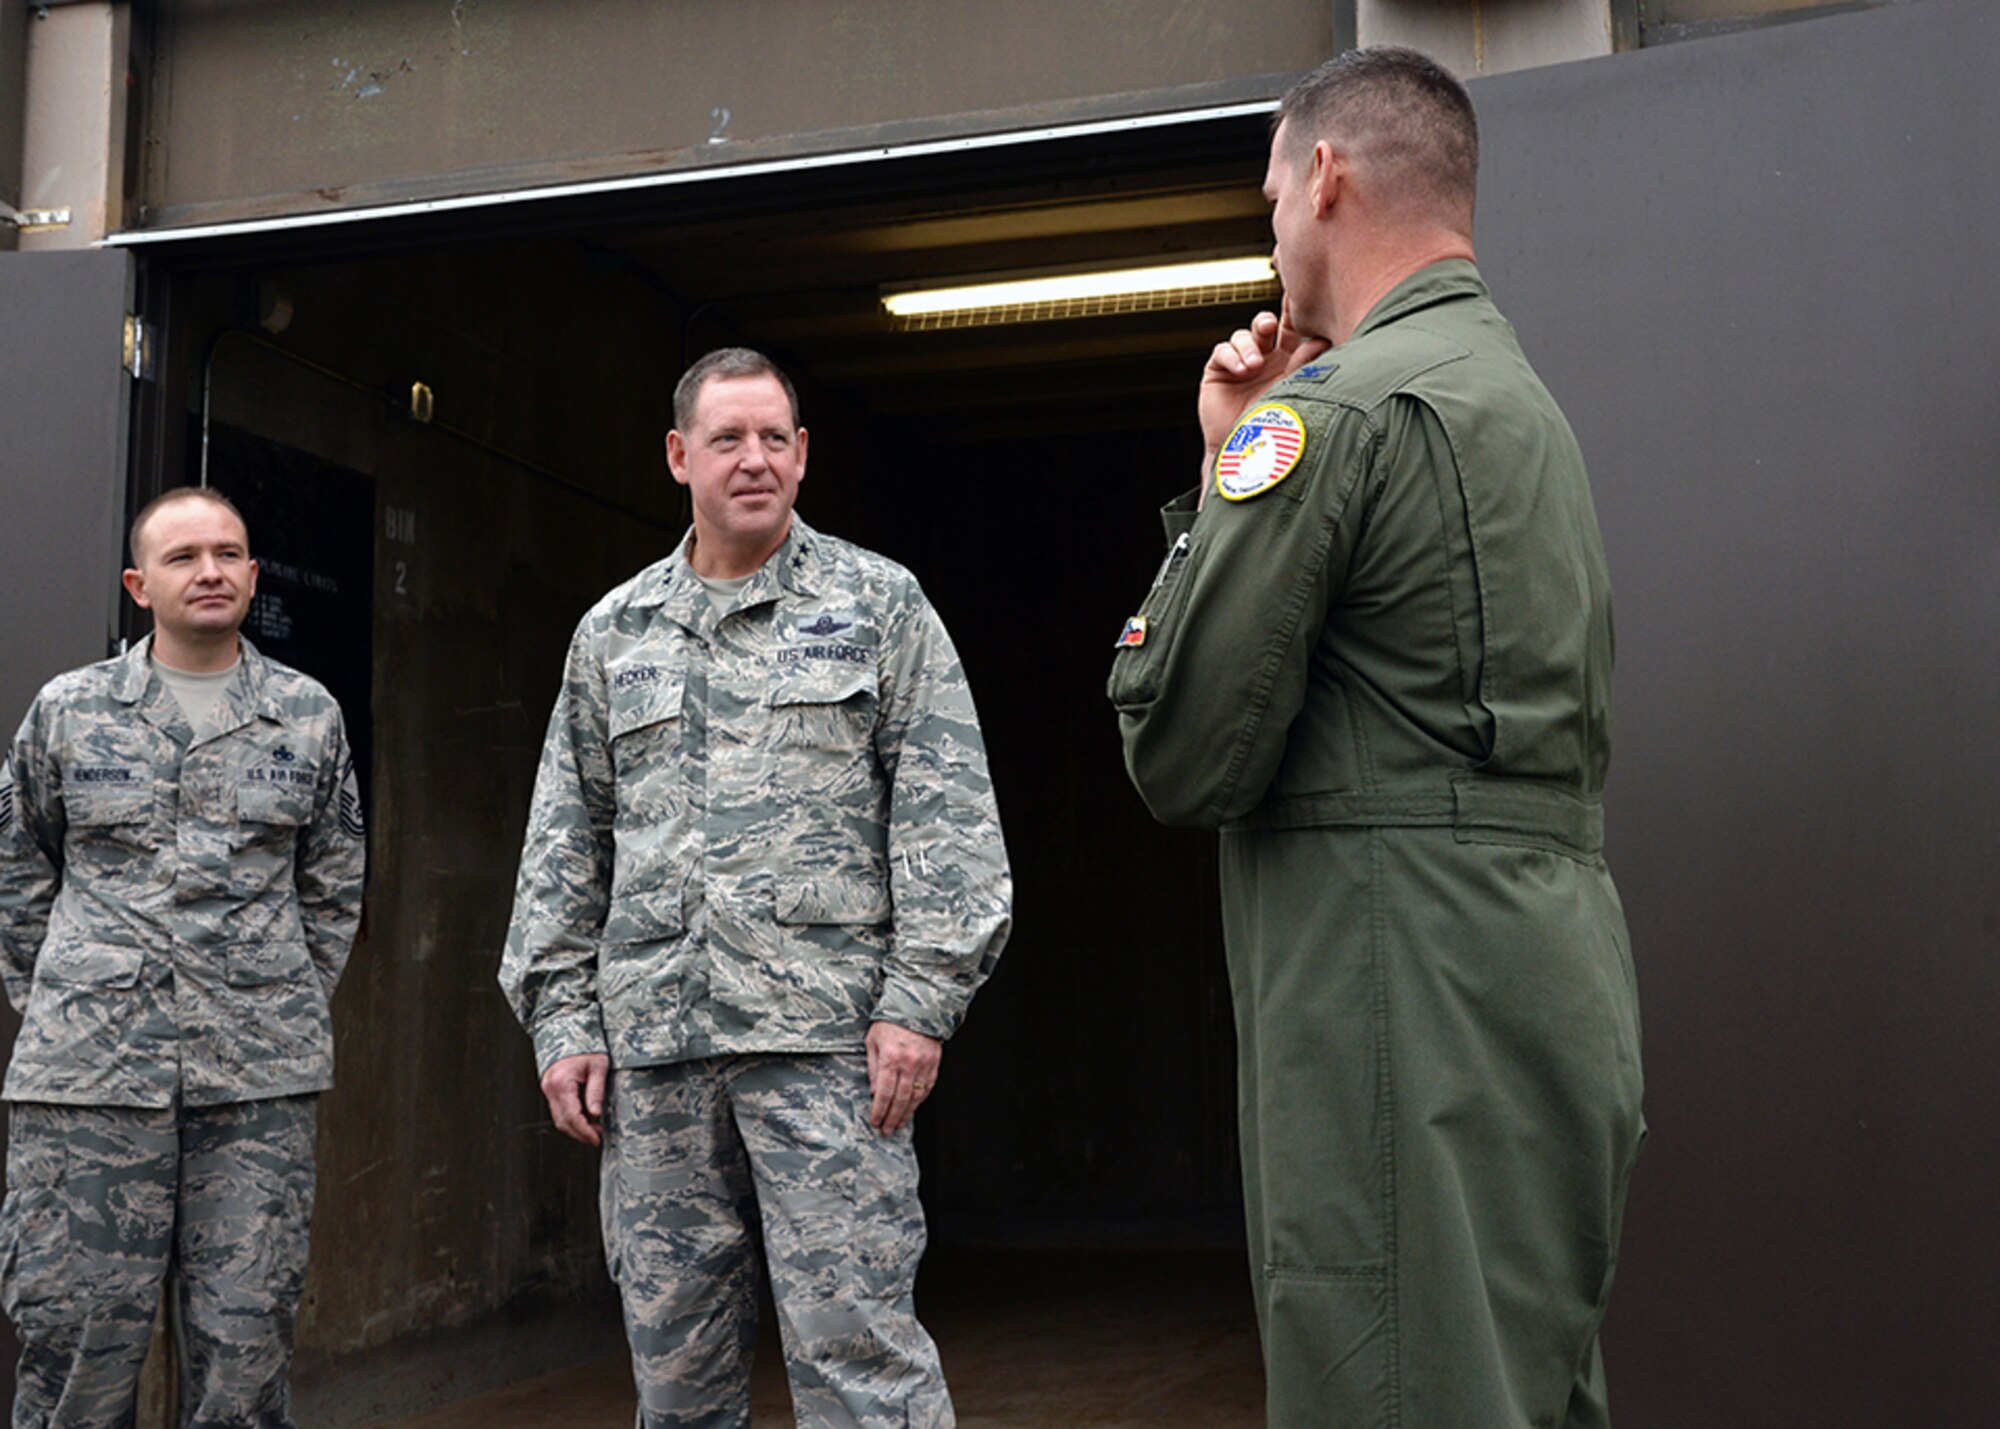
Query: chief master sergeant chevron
point(1378, 658)
point(180, 881)
point(763, 876)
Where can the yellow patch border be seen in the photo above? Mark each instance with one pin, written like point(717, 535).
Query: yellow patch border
point(1280, 475)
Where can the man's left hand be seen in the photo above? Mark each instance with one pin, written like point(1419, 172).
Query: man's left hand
point(902, 1069)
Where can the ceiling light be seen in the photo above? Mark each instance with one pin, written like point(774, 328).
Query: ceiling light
point(1071, 294)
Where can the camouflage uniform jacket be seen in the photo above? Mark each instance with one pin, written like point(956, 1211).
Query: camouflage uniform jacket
point(758, 833)
point(174, 912)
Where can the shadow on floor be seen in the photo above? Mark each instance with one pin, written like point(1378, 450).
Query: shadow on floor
point(1044, 1338)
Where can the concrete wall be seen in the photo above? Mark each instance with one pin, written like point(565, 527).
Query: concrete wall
point(381, 99)
point(1684, 12)
point(1475, 37)
point(77, 83)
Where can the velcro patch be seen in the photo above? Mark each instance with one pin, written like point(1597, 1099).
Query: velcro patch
point(1260, 452)
point(843, 653)
point(6, 796)
point(1134, 633)
point(828, 625)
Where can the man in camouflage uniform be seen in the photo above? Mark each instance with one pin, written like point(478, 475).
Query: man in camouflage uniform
point(1378, 659)
point(763, 876)
point(180, 881)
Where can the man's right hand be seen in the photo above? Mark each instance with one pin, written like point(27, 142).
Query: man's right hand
point(1243, 368)
point(574, 1087)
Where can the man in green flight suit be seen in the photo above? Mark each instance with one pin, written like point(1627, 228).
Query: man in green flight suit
point(1378, 659)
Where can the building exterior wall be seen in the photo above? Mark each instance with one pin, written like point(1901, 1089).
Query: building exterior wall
point(75, 63)
point(1474, 38)
point(378, 99)
point(471, 1208)
point(13, 68)
point(298, 107)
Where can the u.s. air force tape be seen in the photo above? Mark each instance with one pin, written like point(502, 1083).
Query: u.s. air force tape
point(1261, 451)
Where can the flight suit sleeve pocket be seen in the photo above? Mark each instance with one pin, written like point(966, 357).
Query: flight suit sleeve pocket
point(859, 901)
point(105, 965)
point(1139, 663)
point(255, 964)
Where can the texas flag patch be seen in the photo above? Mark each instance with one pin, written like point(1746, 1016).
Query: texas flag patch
point(1134, 633)
point(1260, 452)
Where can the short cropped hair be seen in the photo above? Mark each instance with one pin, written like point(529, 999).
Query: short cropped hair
point(167, 498)
point(1401, 114)
point(722, 364)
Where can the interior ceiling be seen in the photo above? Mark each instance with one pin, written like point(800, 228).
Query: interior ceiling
point(806, 286)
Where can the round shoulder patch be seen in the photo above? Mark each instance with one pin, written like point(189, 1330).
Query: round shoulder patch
point(1260, 452)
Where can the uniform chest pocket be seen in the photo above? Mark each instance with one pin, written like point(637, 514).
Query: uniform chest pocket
point(644, 724)
point(113, 812)
point(824, 709)
point(81, 964)
point(278, 805)
point(106, 805)
point(644, 697)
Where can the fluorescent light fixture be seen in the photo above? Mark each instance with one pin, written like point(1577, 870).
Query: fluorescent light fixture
point(1039, 297)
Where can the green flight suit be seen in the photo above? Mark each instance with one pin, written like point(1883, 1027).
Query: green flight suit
point(1379, 661)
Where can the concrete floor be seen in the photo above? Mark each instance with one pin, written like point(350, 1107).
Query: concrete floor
point(1044, 1338)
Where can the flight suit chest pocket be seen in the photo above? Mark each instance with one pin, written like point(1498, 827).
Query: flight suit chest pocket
point(823, 708)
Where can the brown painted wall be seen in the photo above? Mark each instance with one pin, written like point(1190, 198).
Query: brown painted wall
point(288, 106)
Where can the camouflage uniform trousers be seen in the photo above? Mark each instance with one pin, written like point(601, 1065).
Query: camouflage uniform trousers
point(102, 1203)
point(695, 1155)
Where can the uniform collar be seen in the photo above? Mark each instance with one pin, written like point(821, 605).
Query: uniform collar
point(794, 568)
point(1432, 284)
point(244, 699)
